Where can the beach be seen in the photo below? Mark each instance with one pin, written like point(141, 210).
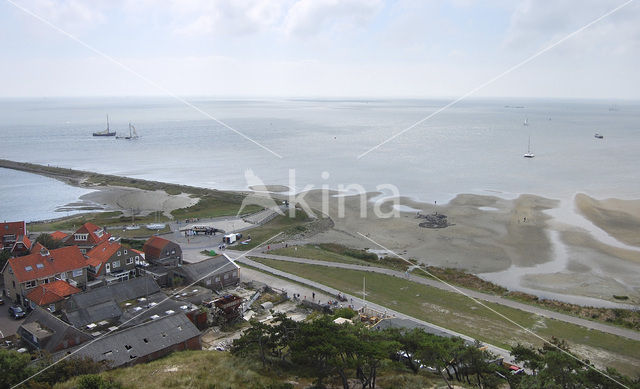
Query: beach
point(585, 251)
point(515, 243)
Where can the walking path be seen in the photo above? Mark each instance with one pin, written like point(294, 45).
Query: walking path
point(358, 303)
point(619, 331)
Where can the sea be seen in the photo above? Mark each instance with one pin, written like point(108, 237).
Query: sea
point(475, 146)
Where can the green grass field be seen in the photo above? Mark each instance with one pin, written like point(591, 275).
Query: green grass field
point(461, 314)
point(280, 224)
point(316, 252)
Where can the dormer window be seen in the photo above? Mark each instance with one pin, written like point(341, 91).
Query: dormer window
point(80, 236)
point(44, 252)
point(99, 233)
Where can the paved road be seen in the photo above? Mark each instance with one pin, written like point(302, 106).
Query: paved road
point(8, 325)
point(358, 303)
point(626, 333)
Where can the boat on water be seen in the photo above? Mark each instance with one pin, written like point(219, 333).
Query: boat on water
point(529, 154)
point(106, 132)
point(132, 133)
point(526, 122)
point(599, 136)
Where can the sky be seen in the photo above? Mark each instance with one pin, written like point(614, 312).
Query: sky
point(319, 48)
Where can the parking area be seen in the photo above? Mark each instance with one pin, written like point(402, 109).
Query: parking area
point(8, 325)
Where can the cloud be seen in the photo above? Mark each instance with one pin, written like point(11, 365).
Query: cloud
point(535, 24)
point(202, 17)
point(308, 17)
point(70, 15)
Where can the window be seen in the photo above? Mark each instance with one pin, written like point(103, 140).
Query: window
point(30, 284)
point(125, 251)
point(208, 281)
point(107, 267)
point(39, 265)
point(115, 264)
point(45, 281)
point(77, 273)
point(234, 274)
point(80, 236)
point(119, 253)
point(129, 261)
point(217, 279)
point(63, 276)
point(173, 251)
point(28, 268)
point(226, 276)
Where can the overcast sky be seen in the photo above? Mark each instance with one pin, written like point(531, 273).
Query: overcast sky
point(332, 48)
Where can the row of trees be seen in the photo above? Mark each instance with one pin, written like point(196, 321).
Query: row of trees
point(16, 367)
point(354, 355)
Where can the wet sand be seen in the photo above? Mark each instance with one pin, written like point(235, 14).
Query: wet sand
point(490, 236)
point(141, 202)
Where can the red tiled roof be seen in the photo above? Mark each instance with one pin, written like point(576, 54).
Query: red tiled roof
point(24, 240)
point(50, 293)
point(138, 252)
point(92, 239)
point(13, 228)
point(102, 252)
point(36, 265)
point(59, 235)
point(154, 246)
point(37, 247)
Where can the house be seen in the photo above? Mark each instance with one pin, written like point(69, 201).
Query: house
point(52, 295)
point(122, 305)
point(112, 261)
point(163, 252)
point(44, 331)
point(144, 342)
point(22, 274)
point(59, 235)
point(14, 238)
point(87, 237)
point(214, 273)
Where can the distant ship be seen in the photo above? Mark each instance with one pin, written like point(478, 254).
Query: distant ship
point(132, 133)
point(529, 154)
point(106, 132)
point(599, 136)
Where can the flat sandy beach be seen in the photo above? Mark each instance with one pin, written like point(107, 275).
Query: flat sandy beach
point(138, 201)
point(515, 243)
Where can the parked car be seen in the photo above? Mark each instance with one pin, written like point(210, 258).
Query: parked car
point(1, 301)
point(17, 312)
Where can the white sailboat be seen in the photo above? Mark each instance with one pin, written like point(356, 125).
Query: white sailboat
point(529, 154)
point(132, 133)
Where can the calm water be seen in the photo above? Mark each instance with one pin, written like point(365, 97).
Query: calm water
point(475, 147)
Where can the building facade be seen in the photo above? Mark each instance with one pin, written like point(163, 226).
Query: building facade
point(21, 275)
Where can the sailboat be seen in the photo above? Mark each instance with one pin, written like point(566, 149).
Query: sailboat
point(529, 154)
point(526, 122)
point(105, 132)
point(132, 133)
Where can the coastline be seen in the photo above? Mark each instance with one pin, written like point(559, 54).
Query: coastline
point(488, 235)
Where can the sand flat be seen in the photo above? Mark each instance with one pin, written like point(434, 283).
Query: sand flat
point(619, 218)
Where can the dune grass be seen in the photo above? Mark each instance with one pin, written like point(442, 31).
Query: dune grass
point(461, 314)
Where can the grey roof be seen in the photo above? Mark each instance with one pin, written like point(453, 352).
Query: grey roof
point(156, 304)
point(41, 321)
point(207, 268)
point(108, 310)
point(125, 346)
point(118, 292)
